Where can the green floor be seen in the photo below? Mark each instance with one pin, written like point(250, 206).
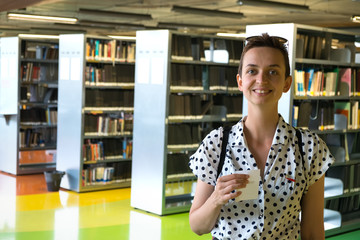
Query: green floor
point(346, 236)
point(98, 215)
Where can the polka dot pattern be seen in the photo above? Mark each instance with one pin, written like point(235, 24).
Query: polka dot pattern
point(275, 213)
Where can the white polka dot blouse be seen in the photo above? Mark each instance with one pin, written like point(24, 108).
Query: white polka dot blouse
point(275, 213)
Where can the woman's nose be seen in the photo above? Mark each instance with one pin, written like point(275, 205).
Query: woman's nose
point(262, 78)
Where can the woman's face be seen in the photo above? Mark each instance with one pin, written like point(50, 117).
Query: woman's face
point(263, 76)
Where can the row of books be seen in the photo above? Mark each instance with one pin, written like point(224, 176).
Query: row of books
point(344, 147)
point(186, 47)
point(193, 105)
point(37, 115)
point(100, 174)
point(344, 205)
point(110, 74)
point(108, 124)
point(310, 46)
point(107, 149)
point(202, 77)
point(186, 105)
point(343, 173)
point(109, 98)
point(40, 137)
point(337, 82)
point(184, 134)
point(38, 94)
point(177, 164)
point(233, 103)
point(110, 50)
point(326, 115)
point(220, 78)
point(34, 50)
point(33, 72)
point(321, 47)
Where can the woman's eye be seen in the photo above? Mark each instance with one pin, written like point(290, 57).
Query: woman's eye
point(273, 72)
point(251, 71)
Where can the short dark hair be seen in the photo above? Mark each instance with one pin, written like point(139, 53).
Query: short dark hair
point(265, 40)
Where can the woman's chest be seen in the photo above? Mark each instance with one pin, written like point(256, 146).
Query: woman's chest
point(283, 169)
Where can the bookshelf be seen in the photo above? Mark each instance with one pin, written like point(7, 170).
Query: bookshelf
point(96, 92)
point(324, 97)
point(28, 104)
point(183, 89)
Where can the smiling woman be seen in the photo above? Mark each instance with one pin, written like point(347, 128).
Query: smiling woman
point(261, 141)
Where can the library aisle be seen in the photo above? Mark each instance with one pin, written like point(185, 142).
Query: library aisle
point(29, 211)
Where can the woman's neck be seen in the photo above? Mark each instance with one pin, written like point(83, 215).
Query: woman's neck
point(261, 124)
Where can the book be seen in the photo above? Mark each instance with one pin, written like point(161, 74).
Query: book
point(345, 82)
point(343, 108)
point(309, 78)
point(355, 122)
point(295, 116)
point(299, 77)
point(305, 109)
point(331, 82)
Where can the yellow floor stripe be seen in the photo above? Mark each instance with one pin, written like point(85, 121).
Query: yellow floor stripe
point(68, 199)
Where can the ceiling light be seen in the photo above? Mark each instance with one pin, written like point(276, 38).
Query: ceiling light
point(206, 12)
point(40, 18)
point(183, 25)
point(122, 37)
point(39, 36)
point(237, 35)
point(269, 4)
point(355, 19)
point(111, 14)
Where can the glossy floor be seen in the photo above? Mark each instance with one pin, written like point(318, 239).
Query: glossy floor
point(28, 211)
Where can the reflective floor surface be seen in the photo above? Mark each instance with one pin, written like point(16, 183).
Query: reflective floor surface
point(28, 211)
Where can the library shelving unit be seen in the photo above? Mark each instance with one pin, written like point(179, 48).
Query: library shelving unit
point(324, 98)
point(96, 92)
point(28, 104)
point(185, 86)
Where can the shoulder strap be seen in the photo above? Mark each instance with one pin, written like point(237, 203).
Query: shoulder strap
point(299, 137)
point(225, 139)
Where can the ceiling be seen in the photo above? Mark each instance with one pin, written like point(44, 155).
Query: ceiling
point(326, 13)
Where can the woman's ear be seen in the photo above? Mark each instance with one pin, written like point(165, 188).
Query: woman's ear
point(239, 82)
point(287, 85)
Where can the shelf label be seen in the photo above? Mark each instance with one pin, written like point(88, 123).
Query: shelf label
point(75, 69)
point(143, 72)
point(157, 70)
point(64, 68)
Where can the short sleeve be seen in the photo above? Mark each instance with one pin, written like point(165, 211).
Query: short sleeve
point(205, 160)
point(318, 158)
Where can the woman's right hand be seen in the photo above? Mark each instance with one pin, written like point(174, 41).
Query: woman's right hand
point(226, 186)
point(208, 201)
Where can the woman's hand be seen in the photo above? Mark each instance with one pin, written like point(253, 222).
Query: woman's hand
point(226, 186)
point(208, 201)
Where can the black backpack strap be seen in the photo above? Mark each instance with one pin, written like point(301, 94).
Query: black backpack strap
point(299, 137)
point(225, 138)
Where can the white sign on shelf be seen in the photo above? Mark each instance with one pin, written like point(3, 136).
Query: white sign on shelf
point(143, 72)
point(75, 69)
point(64, 68)
point(157, 71)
